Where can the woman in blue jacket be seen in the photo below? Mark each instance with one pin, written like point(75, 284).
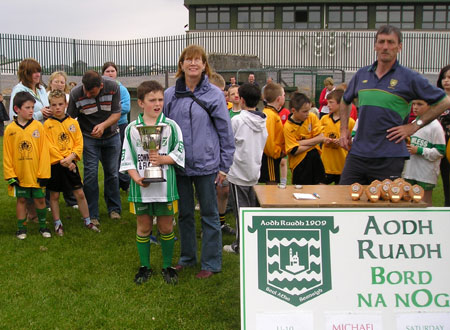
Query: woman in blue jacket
point(199, 108)
point(109, 69)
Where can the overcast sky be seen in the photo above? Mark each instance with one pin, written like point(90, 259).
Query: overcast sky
point(94, 19)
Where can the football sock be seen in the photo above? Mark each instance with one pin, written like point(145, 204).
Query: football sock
point(58, 223)
point(222, 219)
point(87, 221)
point(42, 213)
point(143, 246)
point(22, 224)
point(167, 243)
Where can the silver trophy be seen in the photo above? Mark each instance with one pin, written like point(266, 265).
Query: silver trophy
point(151, 140)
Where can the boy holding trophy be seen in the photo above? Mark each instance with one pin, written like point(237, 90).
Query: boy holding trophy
point(152, 147)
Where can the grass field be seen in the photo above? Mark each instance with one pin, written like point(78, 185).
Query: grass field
point(85, 279)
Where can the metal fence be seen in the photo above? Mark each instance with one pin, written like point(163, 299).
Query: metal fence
point(426, 52)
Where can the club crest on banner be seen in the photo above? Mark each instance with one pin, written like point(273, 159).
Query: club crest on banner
point(294, 256)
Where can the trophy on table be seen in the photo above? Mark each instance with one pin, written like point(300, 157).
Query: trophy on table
point(151, 140)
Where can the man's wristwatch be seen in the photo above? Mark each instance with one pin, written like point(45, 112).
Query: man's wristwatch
point(419, 122)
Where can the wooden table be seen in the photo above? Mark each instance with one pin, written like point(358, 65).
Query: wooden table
point(330, 196)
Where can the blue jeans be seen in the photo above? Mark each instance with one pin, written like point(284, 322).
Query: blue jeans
point(211, 258)
point(107, 151)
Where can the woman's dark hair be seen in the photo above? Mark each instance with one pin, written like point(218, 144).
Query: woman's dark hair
point(107, 65)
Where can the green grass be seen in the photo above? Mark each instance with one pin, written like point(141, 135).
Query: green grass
point(85, 279)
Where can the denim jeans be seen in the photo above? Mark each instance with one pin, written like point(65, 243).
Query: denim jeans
point(211, 252)
point(107, 151)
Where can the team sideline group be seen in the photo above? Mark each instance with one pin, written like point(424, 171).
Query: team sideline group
point(221, 146)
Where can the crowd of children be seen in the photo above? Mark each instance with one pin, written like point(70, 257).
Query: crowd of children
point(40, 155)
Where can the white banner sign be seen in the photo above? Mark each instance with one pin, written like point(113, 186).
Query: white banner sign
point(345, 269)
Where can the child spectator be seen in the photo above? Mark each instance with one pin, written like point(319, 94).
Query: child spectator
point(333, 156)
point(323, 102)
point(233, 98)
point(427, 147)
point(159, 198)
point(303, 134)
point(274, 149)
point(250, 136)
point(26, 162)
point(65, 143)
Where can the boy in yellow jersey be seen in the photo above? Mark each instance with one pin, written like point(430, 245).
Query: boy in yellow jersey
point(65, 142)
point(303, 134)
point(274, 148)
point(26, 163)
point(333, 155)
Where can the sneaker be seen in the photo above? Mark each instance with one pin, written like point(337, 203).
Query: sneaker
point(21, 234)
point(143, 275)
point(59, 230)
point(114, 215)
point(230, 249)
point(170, 275)
point(153, 240)
point(95, 221)
point(45, 232)
point(92, 227)
point(226, 229)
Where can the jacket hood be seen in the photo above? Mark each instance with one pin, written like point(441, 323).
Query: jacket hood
point(256, 120)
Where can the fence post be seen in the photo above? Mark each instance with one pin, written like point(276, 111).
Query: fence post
point(74, 65)
point(166, 78)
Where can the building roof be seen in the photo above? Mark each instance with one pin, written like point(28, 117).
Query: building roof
point(188, 3)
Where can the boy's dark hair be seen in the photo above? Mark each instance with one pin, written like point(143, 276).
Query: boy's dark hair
point(389, 29)
point(91, 79)
point(298, 100)
point(56, 94)
point(251, 94)
point(147, 87)
point(336, 95)
point(272, 91)
point(21, 97)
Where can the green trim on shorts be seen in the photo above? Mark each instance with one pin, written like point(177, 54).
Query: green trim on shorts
point(28, 192)
point(156, 209)
point(426, 186)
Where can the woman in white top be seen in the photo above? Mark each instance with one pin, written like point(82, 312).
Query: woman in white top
point(29, 74)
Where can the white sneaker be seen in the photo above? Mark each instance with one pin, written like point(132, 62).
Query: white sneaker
point(21, 234)
point(229, 249)
point(45, 232)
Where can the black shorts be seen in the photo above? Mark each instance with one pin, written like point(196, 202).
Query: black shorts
point(63, 179)
point(310, 170)
point(270, 170)
point(365, 170)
